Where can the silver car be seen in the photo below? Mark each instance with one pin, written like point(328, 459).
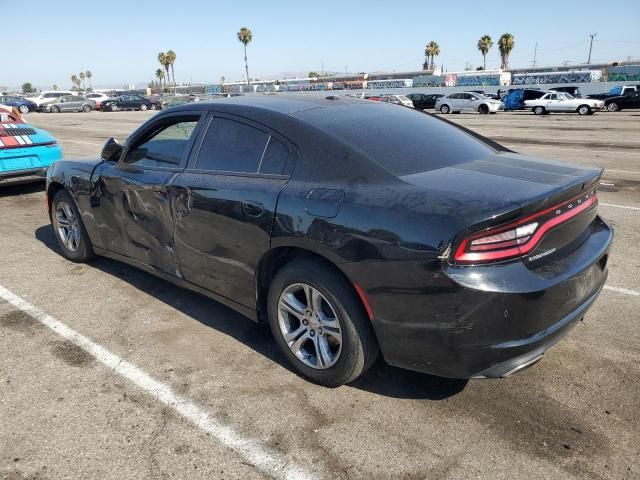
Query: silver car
point(71, 103)
point(468, 102)
point(398, 99)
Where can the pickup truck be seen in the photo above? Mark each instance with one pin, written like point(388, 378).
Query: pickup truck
point(619, 91)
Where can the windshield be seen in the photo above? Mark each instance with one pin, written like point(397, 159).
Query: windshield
point(615, 91)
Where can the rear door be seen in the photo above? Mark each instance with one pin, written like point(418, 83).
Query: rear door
point(133, 207)
point(224, 205)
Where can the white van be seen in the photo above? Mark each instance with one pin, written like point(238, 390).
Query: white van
point(47, 96)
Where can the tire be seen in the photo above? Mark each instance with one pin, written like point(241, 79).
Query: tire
point(349, 350)
point(538, 110)
point(55, 109)
point(23, 109)
point(445, 109)
point(483, 109)
point(72, 239)
point(613, 107)
point(143, 107)
point(86, 108)
point(584, 110)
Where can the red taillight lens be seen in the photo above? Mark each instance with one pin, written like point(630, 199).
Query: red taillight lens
point(519, 238)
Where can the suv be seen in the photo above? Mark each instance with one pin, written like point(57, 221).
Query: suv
point(47, 96)
point(619, 91)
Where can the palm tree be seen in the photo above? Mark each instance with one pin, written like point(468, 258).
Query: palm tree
point(55, 87)
point(82, 78)
point(74, 80)
point(484, 45)
point(88, 74)
point(245, 37)
point(433, 50)
point(505, 45)
point(160, 76)
point(164, 61)
point(171, 57)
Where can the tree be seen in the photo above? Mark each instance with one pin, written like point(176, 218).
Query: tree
point(505, 45)
point(432, 50)
point(81, 75)
point(27, 88)
point(313, 75)
point(222, 80)
point(74, 79)
point(484, 45)
point(160, 76)
point(88, 74)
point(55, 87)
point(171, 58)
point(164, 61)
point(245, 37)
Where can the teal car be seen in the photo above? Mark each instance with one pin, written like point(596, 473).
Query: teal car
point(25, 150)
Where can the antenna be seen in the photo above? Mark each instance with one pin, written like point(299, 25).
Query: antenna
point(592, 35)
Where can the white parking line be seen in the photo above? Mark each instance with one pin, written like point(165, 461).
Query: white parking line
point(83, 143)
point(618, 206)
point(251, 450)
point(616, 152)
point(626, 291)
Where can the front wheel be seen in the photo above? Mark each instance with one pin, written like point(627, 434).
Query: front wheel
point(143, 107)
point(86, 108)
point(55, 109)
point(69, 229)
point(613, 107)
point(445, 109)
point(319, 324)
point(584, 110)
point(483, 109)
point(23, 109)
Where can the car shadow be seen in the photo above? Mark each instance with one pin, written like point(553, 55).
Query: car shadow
point(13, 188)
point(381, 379)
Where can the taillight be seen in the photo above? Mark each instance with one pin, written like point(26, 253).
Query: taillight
point(521, 237)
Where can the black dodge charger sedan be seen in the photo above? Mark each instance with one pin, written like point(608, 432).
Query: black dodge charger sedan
point(351, 227)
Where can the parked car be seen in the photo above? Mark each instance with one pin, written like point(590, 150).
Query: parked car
point(22, 104)
point(422, 101)
point(47, 96)
point(468, 102)
point(351, 228)
point(573, 91)
point(619, 91)
point(156, 101)
point(172, 101)
point(630, 100)
point(73, 103)
point(398, 99)
point(98, 98)
point(126, 102)
point(515, 97)
point(563, 102)
point(25, 150)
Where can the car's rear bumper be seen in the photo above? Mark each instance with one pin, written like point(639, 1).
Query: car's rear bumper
point(465, 322)
point(28, 161)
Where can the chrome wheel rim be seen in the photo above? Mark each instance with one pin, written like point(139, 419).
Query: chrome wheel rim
point(23, 109)
point(143, 107)
point(68, 226)
point(584, 110)
point(612, 107)
point(309, 326)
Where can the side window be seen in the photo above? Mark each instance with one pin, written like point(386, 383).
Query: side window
point(231, 146)
point(166, 145)
point(275, 158)
point(49, 95)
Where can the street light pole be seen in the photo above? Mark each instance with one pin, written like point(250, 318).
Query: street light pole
point(591, 46)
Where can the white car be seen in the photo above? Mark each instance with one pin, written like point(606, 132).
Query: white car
point(98, 98)
point(48, 96)
point(563, 102)
point(468, 102)
point(398, 99)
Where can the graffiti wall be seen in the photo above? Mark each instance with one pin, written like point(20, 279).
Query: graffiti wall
point(626, 73)
point(478, 80)
point(395, 83)
point(429, 81)
point(556, 77)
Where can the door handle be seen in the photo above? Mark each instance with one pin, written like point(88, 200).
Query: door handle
point(253, 209)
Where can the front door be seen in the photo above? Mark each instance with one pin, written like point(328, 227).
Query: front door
point(133, 195)
point(225, 203)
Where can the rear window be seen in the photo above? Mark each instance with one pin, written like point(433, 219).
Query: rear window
point(401, 140)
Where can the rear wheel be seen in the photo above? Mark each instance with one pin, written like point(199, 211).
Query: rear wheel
point(23, 109)
point(584, 110)
point(538, 110)
point(86, 108)
point(69, 229)
point(319, 324)
point(55, 109)
point(445, 109)
point(483, 109)
point(613, 107)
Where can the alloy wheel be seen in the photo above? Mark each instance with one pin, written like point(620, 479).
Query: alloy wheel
point(612, 107)
point(309, 326)
point(23, 109)
point(68, 226)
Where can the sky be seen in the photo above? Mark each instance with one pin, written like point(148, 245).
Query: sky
point(119, 40)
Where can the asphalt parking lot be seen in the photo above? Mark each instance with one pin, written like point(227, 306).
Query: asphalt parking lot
point(173, 385)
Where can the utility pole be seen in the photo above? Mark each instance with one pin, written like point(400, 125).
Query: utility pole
point(322, 70)
point(535, 54)
point(591, 45)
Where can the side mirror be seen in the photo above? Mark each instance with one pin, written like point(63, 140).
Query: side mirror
point(111, 150)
